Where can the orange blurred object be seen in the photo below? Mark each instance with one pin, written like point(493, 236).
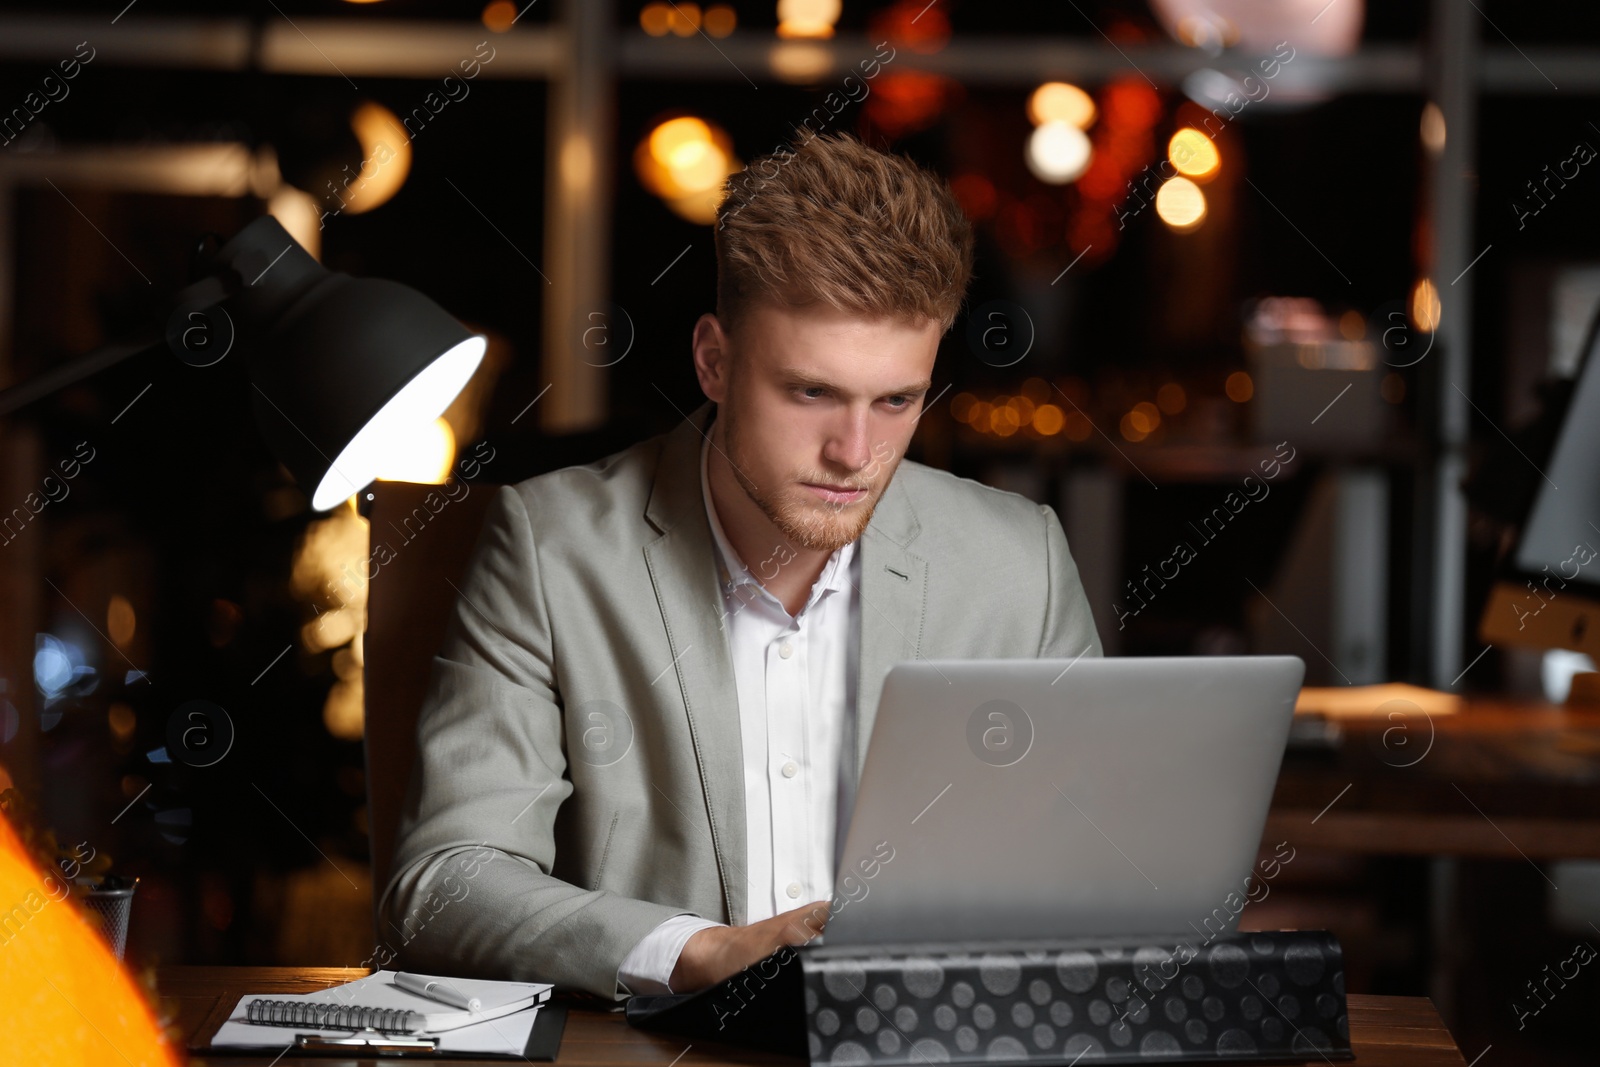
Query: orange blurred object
point(500, 15)
point(919, 26)
point(1171, 398)
point(1239, 387)
point(68, 999)
point(975, 194)
point(1131, 102)
point(1048, 419)
point(909, 100)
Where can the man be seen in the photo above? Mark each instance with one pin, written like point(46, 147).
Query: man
point(643, 731)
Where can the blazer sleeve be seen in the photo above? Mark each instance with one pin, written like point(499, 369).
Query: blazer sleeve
point(1069, 630)
point(471, 892)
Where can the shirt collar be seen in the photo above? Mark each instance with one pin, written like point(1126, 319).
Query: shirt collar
point(731, 571)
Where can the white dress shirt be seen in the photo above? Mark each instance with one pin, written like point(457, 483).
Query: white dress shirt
point(795, 677)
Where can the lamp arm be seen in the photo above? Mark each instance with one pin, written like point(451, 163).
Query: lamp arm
point(73, 370)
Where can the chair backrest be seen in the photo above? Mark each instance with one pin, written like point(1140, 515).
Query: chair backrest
point(408, 602)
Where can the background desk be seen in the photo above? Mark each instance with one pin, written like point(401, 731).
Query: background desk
point(1497, 780)
point(1384, 1030)
point(1484, 800)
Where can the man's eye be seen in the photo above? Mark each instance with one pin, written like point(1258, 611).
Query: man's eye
point(813, 389)
point(898, 400)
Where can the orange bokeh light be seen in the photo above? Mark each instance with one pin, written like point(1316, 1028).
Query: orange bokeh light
point(86, 1009)
point(1048, 420)
point(1239, 387)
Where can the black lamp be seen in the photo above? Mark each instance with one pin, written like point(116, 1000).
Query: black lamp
point(342, 368)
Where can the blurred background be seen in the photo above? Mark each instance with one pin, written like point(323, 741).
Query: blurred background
point(1290, 284)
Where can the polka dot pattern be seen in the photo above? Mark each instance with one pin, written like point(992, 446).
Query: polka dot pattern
point(1251, 995)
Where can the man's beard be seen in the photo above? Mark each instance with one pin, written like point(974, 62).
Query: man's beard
point(814, 524)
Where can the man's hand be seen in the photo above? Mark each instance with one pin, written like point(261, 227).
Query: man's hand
point(712, 954)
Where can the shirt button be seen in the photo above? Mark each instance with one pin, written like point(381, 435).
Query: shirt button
point(793, 890)
point(786, 650)
point(790, 769)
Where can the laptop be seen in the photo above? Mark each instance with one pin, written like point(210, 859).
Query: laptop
point(1032, 799)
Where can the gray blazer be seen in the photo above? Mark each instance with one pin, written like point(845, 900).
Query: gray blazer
point(580, 775)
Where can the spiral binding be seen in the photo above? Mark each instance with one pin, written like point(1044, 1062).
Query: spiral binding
point(330, 1016)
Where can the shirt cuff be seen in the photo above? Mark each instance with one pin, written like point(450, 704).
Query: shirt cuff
point(648, 966)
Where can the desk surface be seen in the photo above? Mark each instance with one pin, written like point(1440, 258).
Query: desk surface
point(1383, 1030)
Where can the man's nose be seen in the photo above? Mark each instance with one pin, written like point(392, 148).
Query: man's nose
point(850, 445)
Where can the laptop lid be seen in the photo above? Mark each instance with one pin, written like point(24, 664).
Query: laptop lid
point(1007, 799)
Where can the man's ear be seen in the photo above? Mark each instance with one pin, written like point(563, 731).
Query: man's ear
point(711, 356)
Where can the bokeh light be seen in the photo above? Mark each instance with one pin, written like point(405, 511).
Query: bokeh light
point(1194, 154)
point(1425, 306)
point(1061, 102)
point(1239, 387)
point(1058, 153)
point(499, 15)
point(1180, 204)
point(685, 161)
point(719, 20)
point(807, 18)
point(1171, 398)
point(385, 155)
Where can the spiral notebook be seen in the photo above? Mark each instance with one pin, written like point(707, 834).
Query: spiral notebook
point(502, 1023)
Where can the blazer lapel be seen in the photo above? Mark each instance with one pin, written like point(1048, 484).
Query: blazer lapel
point(893, 604)
point(683, 572)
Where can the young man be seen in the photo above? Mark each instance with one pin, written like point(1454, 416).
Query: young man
point(641, 739)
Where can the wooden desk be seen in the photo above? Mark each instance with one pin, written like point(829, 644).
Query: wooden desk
point(1384, 1030)
point(1496, 780)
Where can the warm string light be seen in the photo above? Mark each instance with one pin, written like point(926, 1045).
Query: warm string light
point(1041, 410)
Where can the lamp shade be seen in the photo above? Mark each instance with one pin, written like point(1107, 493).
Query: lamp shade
point(342, 369)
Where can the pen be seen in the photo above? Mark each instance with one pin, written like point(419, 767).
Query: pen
point(436, 989)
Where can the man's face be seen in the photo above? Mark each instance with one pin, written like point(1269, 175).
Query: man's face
point(817, 409)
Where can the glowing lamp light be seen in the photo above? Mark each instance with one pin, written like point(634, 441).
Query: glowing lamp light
point(424, 457)
point(1239, 387)
point(1194, 154)
point(1061, 102)
point(1058, 153)
point(339, 366)
point(1181, 204)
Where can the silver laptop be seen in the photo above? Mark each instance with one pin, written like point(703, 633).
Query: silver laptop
point(1009, 799)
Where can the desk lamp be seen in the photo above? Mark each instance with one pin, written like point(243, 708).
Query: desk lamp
point(340, 367)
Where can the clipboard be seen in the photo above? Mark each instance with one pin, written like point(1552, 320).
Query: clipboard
point(544, 1042)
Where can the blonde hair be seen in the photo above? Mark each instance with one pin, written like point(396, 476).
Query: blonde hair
point(843, 224)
